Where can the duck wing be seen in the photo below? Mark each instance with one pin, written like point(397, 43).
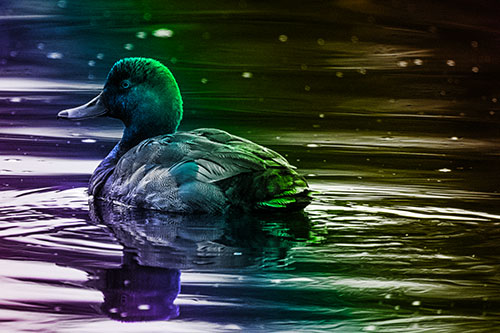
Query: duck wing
point(204, 170)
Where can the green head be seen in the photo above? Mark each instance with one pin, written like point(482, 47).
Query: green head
point(142, 93)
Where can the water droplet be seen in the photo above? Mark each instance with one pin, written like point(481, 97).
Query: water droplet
point(475, 69)
point(40, 46)
point(307, 88)
point(454, 138)
point(312, 145)
point(237, 253)
point(494, 100)
point(418, 62)
point(416, 303)
point(143, 307)
point(204, 80)
point(450, 62)
point(123, 314)
point(370, 328)
point(13, 54)
point(321, 115)
point(388, 296)
point(339, 75)
point(91, 63)
point(141, 35)
point(163, 33)
point(444, 170)
point(278, 137)
point(403, 63)
point(55, 55)
point(113, 310)
point(15, 99)
point(283, 38)
point(100, 56)
point(247, 75)
point(128, 46)
point(89, 141)
point(474, 44)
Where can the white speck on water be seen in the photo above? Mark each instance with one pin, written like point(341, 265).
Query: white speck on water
point(15, 99)
point(55, 55)
point(232, 327)
point(123, 314)
point(418, 62)
point(403, 63)
point(450, 62)
point(204, 80)
point(475, 69)
point(454, 138)
point(163, 33)
point(444, 170)
point(370, 328)
point(247, 75)
point(339, 75)
point(62, 4)
point(312, 145)
point(91, 77)
point(362, 71)
point(416, 303)
point(89, 140)
point(143, 307)
point(283, 38)
point(307, 88)
point(474, 44)
point(237, 254)
point(13, 54)
point(113, 310)
point(321, 41)
point(128, 46)
point(388, 296)
point(91, 63)
point(100, 56)
point(12, 160)
point(321, 115)
point(141, 35)
point(40, 46)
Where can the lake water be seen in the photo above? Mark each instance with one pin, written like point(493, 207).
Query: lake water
point(389, 109)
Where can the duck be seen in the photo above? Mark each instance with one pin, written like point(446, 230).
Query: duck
point(156, 167)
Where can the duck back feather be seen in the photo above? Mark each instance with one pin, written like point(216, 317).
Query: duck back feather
point(201, 171)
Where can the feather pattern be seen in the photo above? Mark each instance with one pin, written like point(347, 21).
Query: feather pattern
point(205, 170)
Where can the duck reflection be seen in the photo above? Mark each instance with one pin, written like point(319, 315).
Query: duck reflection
point(159, 245)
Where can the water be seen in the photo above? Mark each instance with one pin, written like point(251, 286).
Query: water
point(389, 109)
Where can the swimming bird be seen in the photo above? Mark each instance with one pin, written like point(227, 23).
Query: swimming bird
point(154, 166)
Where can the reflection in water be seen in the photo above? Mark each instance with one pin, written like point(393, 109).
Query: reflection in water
point(139, 293)
point(158, 245)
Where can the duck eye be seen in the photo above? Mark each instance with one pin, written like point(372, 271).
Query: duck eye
point(125, 84)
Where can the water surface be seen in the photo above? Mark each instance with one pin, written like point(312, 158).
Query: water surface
point(389, 109)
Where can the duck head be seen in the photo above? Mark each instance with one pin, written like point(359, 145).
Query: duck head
point(142, 93)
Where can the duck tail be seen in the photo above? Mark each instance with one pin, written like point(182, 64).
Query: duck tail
point(288, 200)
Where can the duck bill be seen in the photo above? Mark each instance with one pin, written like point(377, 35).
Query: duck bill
point(94, 108)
